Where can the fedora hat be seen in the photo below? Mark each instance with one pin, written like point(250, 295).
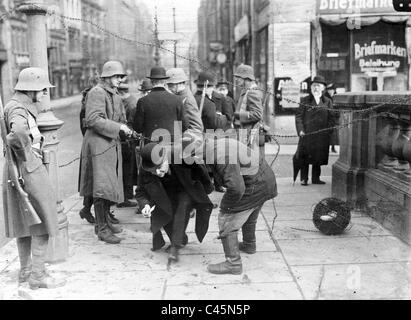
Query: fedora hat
point(146, 86)
point(319, 79)
point(152, 156)
point(203, 77)
point(158, 73)
point(223, 82)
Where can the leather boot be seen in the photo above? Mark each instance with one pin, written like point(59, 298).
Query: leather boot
point(233, 264)
point(39, 278)
point(85, 214)
point(112, 218)
point(113, 227)
point(248, 245)
point(173, 256)
point(104, 233)
point(24, 249)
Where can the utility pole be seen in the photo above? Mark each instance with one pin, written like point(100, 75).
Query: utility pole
point(47, 122)
point(156, 40)
point(175, 41)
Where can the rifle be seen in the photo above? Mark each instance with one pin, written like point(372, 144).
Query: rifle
point(15, 179)
point(203, 97)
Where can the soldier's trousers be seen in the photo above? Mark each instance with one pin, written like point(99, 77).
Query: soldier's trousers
point(32, 254)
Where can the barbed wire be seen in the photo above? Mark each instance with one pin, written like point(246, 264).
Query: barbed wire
point(63, 18)
point(194, 61)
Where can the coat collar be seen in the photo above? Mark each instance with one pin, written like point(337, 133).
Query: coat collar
point(312, 100)
point(26, 102)
point(107, 87)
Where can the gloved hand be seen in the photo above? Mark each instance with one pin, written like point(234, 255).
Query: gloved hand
point(126, 130)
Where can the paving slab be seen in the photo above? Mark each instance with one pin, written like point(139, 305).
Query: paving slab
point(267, 267)
point(345, 250)
point(241, 292)
point(305, 229)
point(355, 282)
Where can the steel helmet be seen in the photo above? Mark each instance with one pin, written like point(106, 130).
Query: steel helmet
point(245, 72)
point(177, 75)
point(112, 68)
point(33, 79)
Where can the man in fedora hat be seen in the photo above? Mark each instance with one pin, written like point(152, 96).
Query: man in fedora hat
point(145, 87)
point(313, 115)
point(159, 110)
point(222, 88)
point(167, 194)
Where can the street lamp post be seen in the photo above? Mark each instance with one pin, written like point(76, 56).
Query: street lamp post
point(48, 123)
point(175, 41)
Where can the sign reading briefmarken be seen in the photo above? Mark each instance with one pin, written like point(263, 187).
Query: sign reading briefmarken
point(354, 6)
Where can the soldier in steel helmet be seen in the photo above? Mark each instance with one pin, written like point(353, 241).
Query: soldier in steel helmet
point(26, 143)
point(249, 112)
point(101, 165)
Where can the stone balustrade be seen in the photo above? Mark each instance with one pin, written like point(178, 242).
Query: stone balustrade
point(373, 172)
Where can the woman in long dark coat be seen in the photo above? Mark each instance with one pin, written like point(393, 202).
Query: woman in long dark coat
point(314, 114)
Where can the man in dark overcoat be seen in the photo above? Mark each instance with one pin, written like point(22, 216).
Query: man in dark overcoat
point(222, 88)
point(314, 114)
point(101, 164)
point(26, 143)
point(158, 113)
point(168, 193)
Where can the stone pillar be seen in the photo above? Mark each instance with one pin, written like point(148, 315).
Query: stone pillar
point(48, 123)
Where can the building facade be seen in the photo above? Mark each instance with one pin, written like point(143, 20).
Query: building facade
point(364, 46)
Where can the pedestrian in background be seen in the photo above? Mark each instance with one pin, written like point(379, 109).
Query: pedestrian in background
point(222, 88)
point(128, 149)
point(101, 169)
point(85, 212)
point(26, 142)
point(330, 92)
point(314, 115)
point(145, 88)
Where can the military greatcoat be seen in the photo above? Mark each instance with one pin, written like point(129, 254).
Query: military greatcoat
point(21, 121)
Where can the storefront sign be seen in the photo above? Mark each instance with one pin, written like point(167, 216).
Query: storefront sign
point(354, 6)
point(292, 51)
point(241, 29)
point(378, 56)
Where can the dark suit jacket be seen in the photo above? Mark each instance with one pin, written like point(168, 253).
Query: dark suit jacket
point(208, 115)
point(223, 106)
point(158, 110)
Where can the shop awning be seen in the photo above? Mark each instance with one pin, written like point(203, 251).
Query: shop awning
point(365, 19)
